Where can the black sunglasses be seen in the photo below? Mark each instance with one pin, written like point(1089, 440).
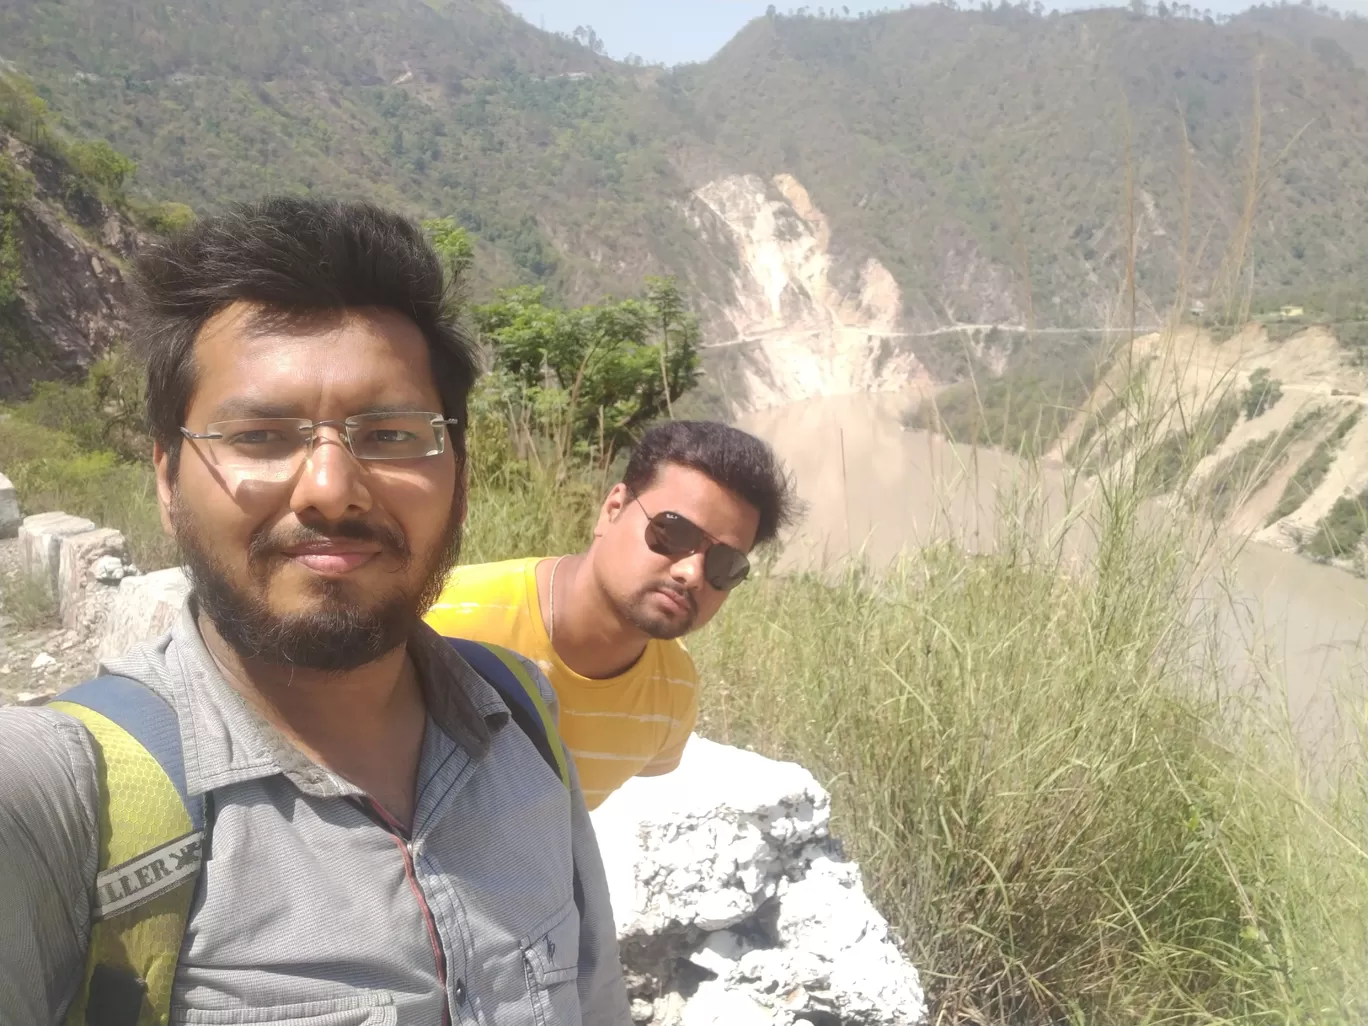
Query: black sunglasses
point(669, 534)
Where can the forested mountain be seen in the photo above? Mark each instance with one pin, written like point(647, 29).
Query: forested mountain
point(984, 157)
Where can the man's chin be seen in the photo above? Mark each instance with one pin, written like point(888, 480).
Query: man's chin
point(664, 628)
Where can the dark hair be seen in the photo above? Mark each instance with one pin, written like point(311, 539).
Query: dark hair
point(296, 258)
point(739, 462)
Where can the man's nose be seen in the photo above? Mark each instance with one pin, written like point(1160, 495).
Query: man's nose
point(332, 481)
point(689, 570)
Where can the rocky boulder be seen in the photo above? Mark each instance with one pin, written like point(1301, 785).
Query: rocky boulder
point(735, 906)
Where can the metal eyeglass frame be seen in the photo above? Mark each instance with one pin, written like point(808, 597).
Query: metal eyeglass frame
point(309, 428)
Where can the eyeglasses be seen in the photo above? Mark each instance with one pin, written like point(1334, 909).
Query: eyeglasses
point(274, 448)
point(669, 534)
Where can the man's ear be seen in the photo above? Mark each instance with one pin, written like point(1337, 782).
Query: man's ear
point(462, 499)
point(162, 464)
point(616, 501)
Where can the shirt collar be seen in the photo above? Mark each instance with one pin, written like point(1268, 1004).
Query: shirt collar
point(225, 741)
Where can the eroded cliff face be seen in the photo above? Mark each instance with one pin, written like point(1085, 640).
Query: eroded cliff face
point(802, 320)
point(72, 300)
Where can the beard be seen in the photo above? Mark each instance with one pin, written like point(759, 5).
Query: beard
point(341, 632)
point(662, 628)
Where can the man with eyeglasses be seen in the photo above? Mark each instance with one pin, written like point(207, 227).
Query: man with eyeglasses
point(671, 541)
point(360, 825)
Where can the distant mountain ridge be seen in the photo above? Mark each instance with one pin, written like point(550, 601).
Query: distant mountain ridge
point(982, 158)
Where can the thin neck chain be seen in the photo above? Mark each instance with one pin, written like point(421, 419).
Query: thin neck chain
point(551, 602)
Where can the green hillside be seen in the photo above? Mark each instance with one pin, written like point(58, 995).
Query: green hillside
point(983, 156)
point(950, 143)
point(451, 108)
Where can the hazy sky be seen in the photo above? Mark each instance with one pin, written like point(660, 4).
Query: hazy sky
point(693, 30)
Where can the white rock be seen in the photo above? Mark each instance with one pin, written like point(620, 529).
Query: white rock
point(77, 554)
point(10, 517)
point(143, 607)
point(42, 661)
point(40, 544)
point(111, 570)
point(34, 697)
point(714, 1003)
point(729, 860)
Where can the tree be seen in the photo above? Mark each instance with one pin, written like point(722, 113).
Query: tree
point(609, 370)
point(101, 163)
point(453, 245)
point(589, 39)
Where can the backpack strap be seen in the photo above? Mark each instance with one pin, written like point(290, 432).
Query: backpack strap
point(507, 675)
point(151, 850)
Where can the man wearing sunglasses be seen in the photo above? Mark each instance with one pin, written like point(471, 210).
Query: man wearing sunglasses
point(671, 541)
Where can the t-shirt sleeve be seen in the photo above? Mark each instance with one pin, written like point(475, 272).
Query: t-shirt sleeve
point(685, 720)
point(49, 854)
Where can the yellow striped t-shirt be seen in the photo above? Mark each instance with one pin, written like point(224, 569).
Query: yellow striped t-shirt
point(617, 728)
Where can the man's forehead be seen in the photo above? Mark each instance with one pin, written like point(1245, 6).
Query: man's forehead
point(250, 356)
point(245, 321)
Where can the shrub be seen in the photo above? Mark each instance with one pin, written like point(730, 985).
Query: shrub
point(1167, 463)
point(1338, 535)
point(1311, 473)
point(27, 602)
point(22, 441)
point(101, 163)
point(166, 218)
point(103, 412)
point(1246, 471)
point(1263, 393)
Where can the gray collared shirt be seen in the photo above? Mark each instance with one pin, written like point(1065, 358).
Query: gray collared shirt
point(309, 910)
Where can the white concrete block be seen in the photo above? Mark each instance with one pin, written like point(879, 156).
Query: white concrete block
point(10, 517)
point(77, 553)
point(40, 545)
point(143, 608)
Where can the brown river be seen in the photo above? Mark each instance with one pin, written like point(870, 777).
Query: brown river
point(877, 488)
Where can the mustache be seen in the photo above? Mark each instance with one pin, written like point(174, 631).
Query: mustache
point(268, 543)
point(682, 593)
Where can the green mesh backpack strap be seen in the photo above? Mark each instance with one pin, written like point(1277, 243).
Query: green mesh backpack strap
point(151, 850)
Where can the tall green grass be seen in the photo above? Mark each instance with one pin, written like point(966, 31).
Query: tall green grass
point(1055, 805)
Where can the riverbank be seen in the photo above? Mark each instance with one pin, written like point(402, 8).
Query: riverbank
point(1283, 623)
